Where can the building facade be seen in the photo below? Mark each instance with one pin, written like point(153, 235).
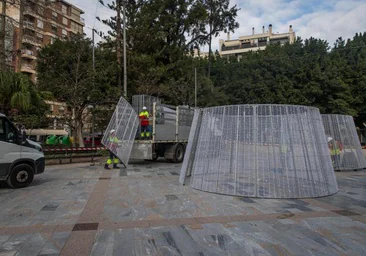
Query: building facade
point(254, 42)
point(43, 22)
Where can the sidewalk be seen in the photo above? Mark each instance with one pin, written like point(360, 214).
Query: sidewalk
point(84, 210)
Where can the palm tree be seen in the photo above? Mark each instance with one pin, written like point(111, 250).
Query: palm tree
point(15, 91)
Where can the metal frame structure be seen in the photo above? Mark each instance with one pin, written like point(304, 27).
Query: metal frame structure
point(268, 151)
point(125, 123)
point(343, 142)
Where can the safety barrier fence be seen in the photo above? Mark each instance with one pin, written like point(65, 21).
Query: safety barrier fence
point(69, 154)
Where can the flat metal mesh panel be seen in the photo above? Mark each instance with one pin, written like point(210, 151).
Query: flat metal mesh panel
point(269, 151)
point(139, 101)
point(166, 119)
point(125, 123)
point(191, 147)
point(185, 118)
point(343, 142)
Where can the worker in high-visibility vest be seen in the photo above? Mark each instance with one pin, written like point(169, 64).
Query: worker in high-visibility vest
point(144, 120)
point(112, 145)
point(335, 149)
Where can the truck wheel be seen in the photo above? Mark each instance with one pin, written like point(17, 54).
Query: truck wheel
point(21, 176)
point(179, 153)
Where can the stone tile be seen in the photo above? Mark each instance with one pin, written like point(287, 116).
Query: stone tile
point(171, 197)
point(8, 253)
point(103, 244)
point(50, 207)
point(3, 239)
point(33, 246)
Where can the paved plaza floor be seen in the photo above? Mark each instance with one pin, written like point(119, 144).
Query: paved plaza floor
point(80, 209)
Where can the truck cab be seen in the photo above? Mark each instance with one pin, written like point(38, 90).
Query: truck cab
point(20, 159)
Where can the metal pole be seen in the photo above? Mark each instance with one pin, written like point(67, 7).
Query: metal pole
point(195, 87)
point(3, 37)
point(93, 114)
point(124, 51)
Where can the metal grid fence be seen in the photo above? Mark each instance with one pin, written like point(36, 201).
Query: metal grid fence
point(269, 151)
point(125, 123)
point(139, 101)
point(343, 142)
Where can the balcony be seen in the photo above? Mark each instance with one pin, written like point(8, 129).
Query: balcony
point(29, 25)
point(29, 39)
point(30, 11)
point(29, 54)
point(28, 68)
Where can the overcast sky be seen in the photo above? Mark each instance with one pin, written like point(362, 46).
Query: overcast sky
point(325, 19)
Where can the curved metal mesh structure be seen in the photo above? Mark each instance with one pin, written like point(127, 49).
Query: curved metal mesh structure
point(269, 151)
point(125, 123)
point(343, 142)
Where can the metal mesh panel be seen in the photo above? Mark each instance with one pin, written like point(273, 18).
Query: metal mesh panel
point(125, 123)
point(270, 151)
point(139, 101)
point(185, 118)
point(191, 147)
point(343, 142)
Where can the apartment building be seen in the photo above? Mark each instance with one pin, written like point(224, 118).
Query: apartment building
point(43, 22)
point(254, 42)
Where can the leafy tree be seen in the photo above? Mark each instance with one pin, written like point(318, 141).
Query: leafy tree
point(65, 68)
point(15, 91)
point(220, 18)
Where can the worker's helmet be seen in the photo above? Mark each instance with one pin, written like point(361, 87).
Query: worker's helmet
point(329, 139)
point(112, 131)
point(144, 108)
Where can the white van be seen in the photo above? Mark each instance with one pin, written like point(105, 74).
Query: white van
point(20, 159)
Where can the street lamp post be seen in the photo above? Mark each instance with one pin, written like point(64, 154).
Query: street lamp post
point(124, 50)
point(93, 111)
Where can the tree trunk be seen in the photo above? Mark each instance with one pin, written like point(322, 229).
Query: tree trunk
point(74, 132)
point(3, 36)
point(20, 37)
point(119, 48)
point(79, 130)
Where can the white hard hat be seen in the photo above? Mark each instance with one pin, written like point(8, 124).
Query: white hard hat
point(329, 139)
point(112, 131)
point(144, 108)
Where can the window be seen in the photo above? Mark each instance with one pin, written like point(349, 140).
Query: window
point(40, 10)
point(64, 33)
point(54, 15)
point(39, 23)
point(65, 21)
point(54, 29)
point(39, 38)
point(7, 131)
point(2, 131)
point(64, 9)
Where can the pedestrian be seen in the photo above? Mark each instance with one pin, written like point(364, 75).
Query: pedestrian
point(144, 120)
point(335, 148)
point(112, 145)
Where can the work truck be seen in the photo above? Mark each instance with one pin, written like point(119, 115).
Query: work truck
point(169, 128)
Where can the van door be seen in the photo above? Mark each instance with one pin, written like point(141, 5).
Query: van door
point(10, 149)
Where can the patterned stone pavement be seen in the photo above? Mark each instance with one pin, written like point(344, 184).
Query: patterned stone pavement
point(84, 210)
